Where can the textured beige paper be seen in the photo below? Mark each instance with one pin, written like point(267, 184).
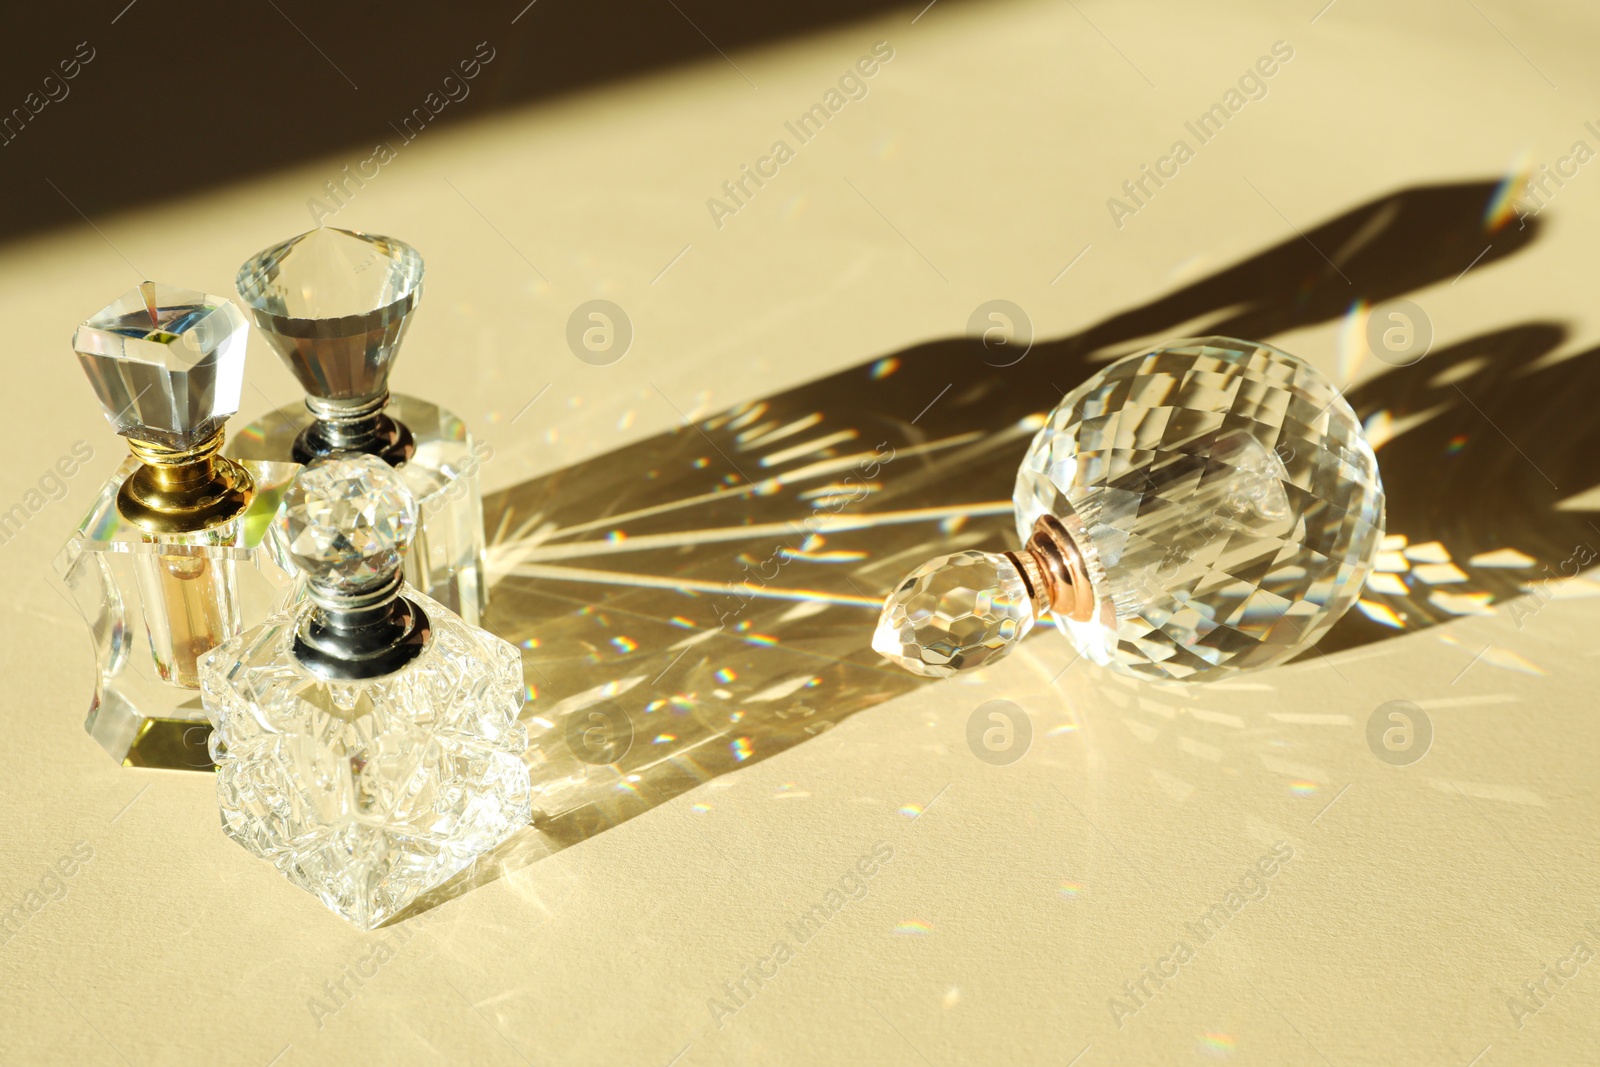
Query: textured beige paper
point(1017, 904)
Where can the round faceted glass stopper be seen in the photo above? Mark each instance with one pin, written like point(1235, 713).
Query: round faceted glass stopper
point(1224, 498)
point(348, 520)
point(954, 613)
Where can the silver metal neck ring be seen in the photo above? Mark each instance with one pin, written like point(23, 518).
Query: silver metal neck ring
point(335, 601)
point(354, 425)
point(350, 636)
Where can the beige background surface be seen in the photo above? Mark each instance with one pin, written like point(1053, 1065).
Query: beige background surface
point(1414, 905)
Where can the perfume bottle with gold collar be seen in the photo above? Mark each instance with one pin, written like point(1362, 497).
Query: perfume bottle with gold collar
point(173, 557)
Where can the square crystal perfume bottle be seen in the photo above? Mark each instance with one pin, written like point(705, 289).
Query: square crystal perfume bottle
point(173, 558)
point(366, 738)
point(335, 305)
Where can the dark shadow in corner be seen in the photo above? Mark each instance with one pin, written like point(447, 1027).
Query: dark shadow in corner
point(704, 598)
point(376, 75)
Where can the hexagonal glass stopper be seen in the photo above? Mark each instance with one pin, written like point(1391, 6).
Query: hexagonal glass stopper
point(166, 363)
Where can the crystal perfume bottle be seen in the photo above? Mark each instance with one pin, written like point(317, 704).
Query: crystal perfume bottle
point(335, 305)
point(1190, 512)
point(171, 559)
point(366, 739)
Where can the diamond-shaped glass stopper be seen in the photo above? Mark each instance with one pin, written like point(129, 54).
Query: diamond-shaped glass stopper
point(335, 305)
point(348, 521)
point(955, 613)
point(166, 363)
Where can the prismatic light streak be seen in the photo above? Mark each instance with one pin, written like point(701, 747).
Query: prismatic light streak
point(763, 487)
point(820, 524)
point(654, 581)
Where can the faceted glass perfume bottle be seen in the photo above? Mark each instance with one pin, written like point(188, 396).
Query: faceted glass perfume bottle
point(335, 305)
point(366, 739)
point(1189, 512)
point(172, 558)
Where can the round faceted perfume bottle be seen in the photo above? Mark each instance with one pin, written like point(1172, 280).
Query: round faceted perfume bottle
point(335, 306)
point(366, 740)
point(1190, 512)
point(171, 559)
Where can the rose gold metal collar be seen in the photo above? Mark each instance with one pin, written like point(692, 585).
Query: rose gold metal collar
point(1052, 567)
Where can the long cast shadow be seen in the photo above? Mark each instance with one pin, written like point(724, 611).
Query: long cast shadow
point(704, 599)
